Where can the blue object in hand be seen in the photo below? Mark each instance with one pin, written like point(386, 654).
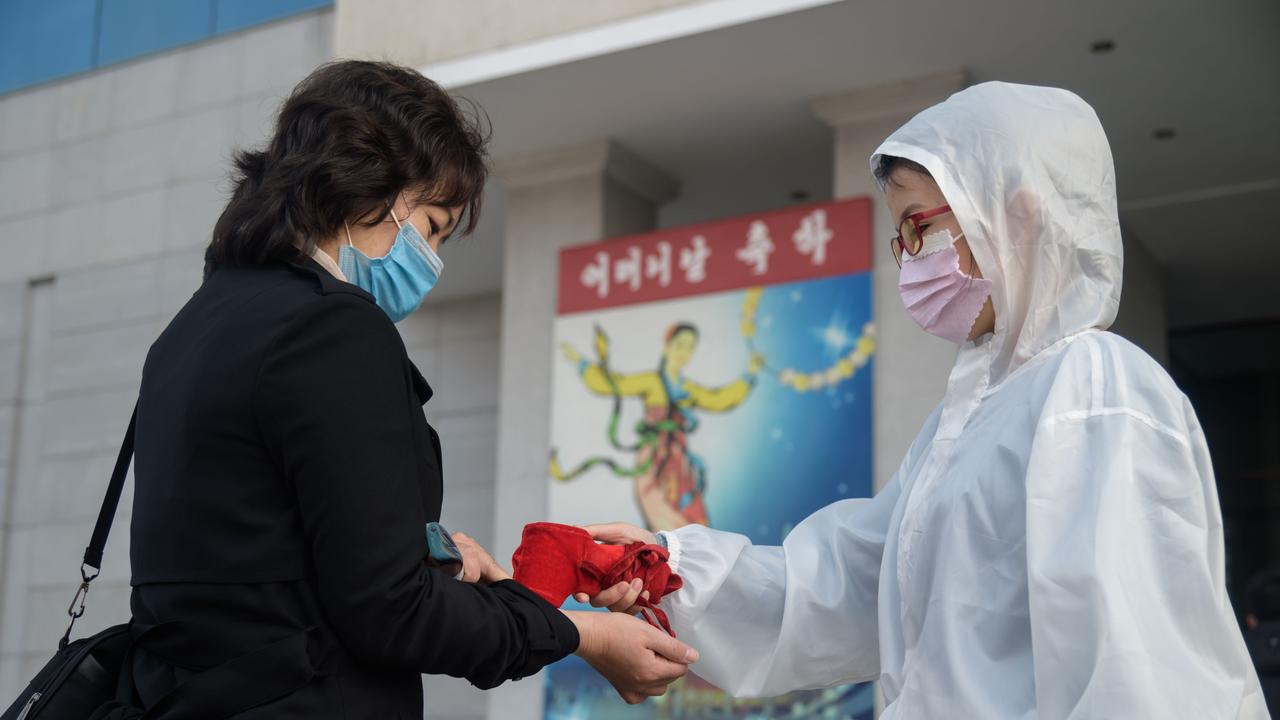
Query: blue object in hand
point(442, 552)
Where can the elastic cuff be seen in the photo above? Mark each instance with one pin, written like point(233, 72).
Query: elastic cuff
point(582, 367)
point(672, 542)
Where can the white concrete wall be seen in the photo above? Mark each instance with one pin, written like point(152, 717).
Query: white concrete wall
point(418, 32)
point(109, 186)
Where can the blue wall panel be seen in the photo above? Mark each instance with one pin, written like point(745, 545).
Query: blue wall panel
point(136, 27)
point(240, 14)
point(44, 39)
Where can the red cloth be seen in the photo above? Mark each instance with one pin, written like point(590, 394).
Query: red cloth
point(556, 561)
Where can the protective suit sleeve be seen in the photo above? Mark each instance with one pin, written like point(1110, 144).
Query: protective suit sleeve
point(1125, 562)
point(768, 620)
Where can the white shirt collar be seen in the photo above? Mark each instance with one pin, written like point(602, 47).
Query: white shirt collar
point(326, 261)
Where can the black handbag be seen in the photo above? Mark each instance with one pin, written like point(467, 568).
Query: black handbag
point(91, 678)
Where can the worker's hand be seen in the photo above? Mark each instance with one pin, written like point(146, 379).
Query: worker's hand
point(639, 660)
point(477, 565)
point(620, 598)
point(620, 534)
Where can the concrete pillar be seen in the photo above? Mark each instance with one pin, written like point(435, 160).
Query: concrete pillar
point(555, 199)
point(911, 367)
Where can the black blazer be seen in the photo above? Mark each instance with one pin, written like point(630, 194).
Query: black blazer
point(284, 473)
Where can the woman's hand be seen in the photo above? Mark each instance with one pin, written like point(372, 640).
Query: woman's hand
point(620, 598)
point(477, 564)
point(639, 660)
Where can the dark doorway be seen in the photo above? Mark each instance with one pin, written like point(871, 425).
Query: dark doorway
point(1232, 375)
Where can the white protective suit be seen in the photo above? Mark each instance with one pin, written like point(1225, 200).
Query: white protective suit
point(1051, 545)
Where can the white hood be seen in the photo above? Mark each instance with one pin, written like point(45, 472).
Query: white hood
point(1028, 173)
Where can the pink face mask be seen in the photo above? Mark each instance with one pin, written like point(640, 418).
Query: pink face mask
point(938, 295)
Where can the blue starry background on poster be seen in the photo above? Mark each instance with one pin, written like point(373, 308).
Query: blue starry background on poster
point(770, 461)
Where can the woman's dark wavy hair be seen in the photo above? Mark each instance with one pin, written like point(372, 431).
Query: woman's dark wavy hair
point(350, 137)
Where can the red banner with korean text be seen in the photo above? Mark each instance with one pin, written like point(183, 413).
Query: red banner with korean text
point(802, 242)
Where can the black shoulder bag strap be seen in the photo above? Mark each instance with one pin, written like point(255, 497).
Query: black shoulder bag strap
point(92, 564)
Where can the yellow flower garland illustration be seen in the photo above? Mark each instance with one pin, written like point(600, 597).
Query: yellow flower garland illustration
point(801, 380)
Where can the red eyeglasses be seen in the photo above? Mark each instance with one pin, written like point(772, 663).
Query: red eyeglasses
point(909, 240)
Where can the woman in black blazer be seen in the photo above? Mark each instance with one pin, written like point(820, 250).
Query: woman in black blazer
point(284, 467)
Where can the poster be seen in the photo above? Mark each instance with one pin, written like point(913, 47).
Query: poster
point(720, 374)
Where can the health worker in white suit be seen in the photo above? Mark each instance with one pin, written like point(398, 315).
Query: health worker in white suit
point(1051, 545)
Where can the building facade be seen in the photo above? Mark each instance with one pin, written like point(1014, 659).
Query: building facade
point(608, 119)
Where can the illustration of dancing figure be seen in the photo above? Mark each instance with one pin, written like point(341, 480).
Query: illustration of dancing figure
point(670, 479)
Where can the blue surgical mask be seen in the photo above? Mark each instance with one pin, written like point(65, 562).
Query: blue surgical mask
point(399, 280)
